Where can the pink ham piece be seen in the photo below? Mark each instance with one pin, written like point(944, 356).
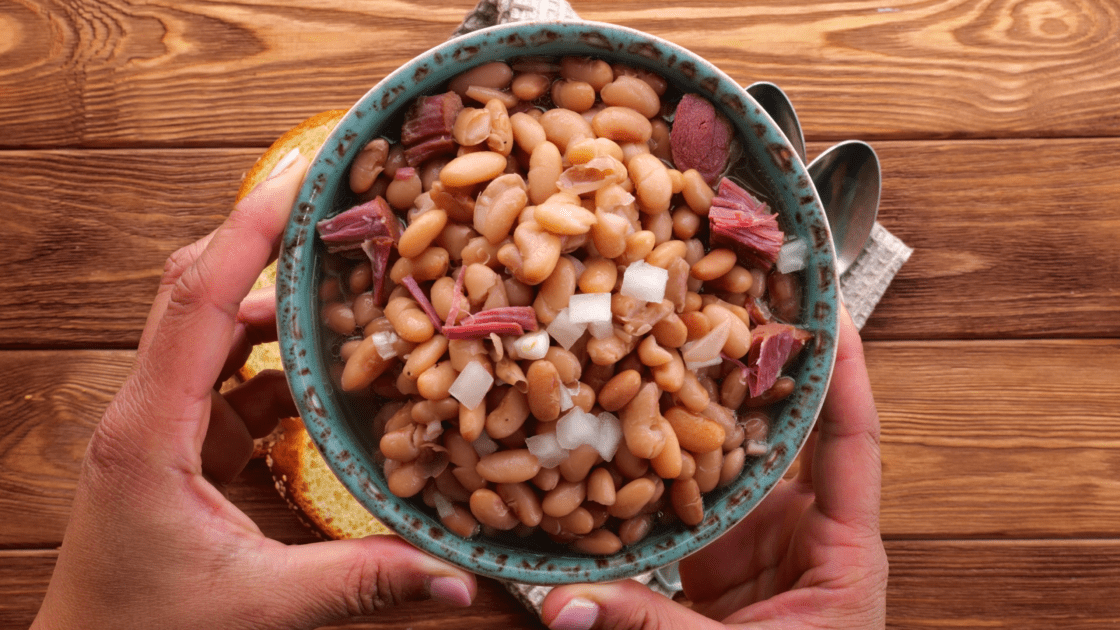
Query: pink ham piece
point(772, 347)
point(347, 230)
point(506, 320)
point(427, 127)
point(700, 138)
point(425, 304)
point(739, 220)
point(371, 228)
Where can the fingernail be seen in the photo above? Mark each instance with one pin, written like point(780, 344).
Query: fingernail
point(450, 590)
point(578, 614)
point(283, 164)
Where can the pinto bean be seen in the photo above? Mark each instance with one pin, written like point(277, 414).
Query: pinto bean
point(509, 466)
point(523, 501)
point(687, 502)
point(487, 506)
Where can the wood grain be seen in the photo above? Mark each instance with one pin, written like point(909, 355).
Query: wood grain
point(1003, 439)
point(999, 439)
point(240, 73)
point(1012, 248)
point(1043, 585)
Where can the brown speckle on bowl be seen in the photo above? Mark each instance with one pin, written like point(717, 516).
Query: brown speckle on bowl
point(820, 240)
point(515, 41)
point(596, 40)
point(688, 69)
point(311, 399)
point(782, 155)
point(421, 72)
point(465, 53)
point(547, 36)
point(435, 532)
point(731, 101)
point(645, 49)
point(710, 85)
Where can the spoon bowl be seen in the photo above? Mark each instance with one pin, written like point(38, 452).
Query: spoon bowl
point(848, 180)
point(775, 103)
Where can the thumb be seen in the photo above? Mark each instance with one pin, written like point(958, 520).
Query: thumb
point(626, 605)
point(326, 581)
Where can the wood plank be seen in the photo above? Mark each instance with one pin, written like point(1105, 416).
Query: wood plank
point(1009, 240)
point(1002, 438)
point(980, 439)
point(222, 74)
point(1011, 249)
point(90, 253)
point(1045, 585)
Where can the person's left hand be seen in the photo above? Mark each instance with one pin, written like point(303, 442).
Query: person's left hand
point(152, 542)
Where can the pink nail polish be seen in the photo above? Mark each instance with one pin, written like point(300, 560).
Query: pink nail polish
point(578, 614)
point(449, 590)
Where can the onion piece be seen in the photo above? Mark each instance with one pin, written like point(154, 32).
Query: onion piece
point(705, 351)
point(531, 346)
point(564, 330)
point(610, 435)
point(472, 385)
point(643, 281)
point(384, 342)
point(443, 505)
point(791, 257)
point(547, 449)
point(577, 428)
point(585, 308)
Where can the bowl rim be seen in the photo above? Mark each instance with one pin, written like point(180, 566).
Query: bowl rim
point(297, 328)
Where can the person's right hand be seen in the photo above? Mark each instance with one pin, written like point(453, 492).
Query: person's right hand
point(809, 556)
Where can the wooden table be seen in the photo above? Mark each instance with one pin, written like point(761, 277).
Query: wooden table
point(995, 356)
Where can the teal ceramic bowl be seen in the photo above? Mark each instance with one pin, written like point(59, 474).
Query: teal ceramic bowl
point(340, 423)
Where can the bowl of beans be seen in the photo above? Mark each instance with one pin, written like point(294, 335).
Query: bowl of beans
point(557, 302)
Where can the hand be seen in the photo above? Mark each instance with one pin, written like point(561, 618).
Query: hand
point(810, 555)
point(152, 543)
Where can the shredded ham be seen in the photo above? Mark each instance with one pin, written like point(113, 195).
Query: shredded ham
point(425, 304)
point(772, 348)
point(745, 223)
point(427, 127)
point(506, 320)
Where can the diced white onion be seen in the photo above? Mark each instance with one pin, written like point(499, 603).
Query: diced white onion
point(585, 308)
point(472, 384)
point(547, 449)
point(532, 345)
point(432, 430)
point(577, 428)
point(484, 445)
point(601, 330)
point(610, 435)
point(792, 256)
point(643, 281)
point(705, 351)
point(565, 399)
point(564, 331)
point(444, 507)
point(384, 342)
point(692, 366)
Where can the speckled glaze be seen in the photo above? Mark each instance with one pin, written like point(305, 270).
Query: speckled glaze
point(340, 423)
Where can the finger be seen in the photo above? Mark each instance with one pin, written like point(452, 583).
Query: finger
point(325, 581)
point(173, 268)
point(625, 605)
point(228, 446)
point(195, 334)
point(258, 311)
point(261, 401)
point(847, 471)
point(256, 325)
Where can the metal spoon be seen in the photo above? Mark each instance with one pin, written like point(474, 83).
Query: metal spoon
point(775, 102)
point(848, 181)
